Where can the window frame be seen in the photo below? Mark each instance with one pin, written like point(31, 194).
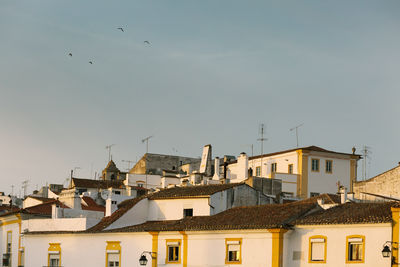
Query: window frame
point(310, 260)
point(179, 241)
point(290, 168)
point(184, 212)
point(113, 247)
point(227, 261)
point(318, 167)
point(258, 171)
point(331, 166)
point(274, 167)
point(347, 249)
point(54, 249)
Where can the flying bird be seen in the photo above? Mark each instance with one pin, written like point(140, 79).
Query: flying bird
point(70, 54)
point(120, 28)
point(90, 62)
point(146, 42)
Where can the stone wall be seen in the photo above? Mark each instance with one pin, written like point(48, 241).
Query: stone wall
point(385, 184)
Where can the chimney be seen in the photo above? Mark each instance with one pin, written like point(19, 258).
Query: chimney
point(77, 201)
point(216, 169)
point(110, 207)
point(243, 166)
point(343, 194)
point(54, 211)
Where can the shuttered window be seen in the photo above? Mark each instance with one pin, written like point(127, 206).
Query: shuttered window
point(317, 250)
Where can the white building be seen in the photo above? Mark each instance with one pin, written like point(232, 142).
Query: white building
point(304, 172)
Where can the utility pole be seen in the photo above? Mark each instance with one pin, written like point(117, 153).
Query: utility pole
point(262, 139)
point(297, 134)
point(147, 151)
point(109, 151)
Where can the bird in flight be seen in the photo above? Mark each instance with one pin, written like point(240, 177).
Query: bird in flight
point(90, 62)
point(146, 42)
point(70, 54)
point(120, 28)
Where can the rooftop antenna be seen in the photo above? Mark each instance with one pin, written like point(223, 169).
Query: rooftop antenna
point(129, 163)
point(262, 139)
point(147, 142)
point(366, 151)
point(297, 134)
point(147, 151)
point(109, 151)
point(25, 186)
point(12, 190)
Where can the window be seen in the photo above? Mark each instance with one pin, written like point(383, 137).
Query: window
point(54, 255)
point(274, 167)
point(315, 165)
point(173, 251)
point(355, 249)
point(187, 212)
point(113, 202)
point(9, 241)
point(317, 249)
point(117, 192)
point(290, 168)
point(113, 254)
point(328, 166)
point(258, 171)
point(314, 194)
point(233, 251)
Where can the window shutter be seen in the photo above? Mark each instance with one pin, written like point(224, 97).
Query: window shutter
point(317, 251)
point(113, 257)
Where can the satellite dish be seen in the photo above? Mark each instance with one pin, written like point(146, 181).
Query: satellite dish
point(105, 194)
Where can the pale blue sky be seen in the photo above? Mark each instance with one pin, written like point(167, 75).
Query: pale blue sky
point(213, 72)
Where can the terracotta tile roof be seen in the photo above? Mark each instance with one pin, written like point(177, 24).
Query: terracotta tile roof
point(89, 183)
point(254, 217)
point(44, 208)
point(89, 204)
point(191, 191)
point(123, 207)
point(351, 213)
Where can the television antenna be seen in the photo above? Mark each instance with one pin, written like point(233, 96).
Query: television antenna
point(262, 139)
point(366, 152)
point(297, 134)
point(109, 150)
point(25, 186)
point(146, 140)
point(129, 163)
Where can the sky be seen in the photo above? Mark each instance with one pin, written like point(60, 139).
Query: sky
point(212, 73)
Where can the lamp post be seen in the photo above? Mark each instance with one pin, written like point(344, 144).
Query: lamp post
point(143, 260)
point(386, 251)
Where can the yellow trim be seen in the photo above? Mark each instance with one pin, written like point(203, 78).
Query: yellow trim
point(185, 248)
point(9, 222)
point(353, 170)
point(309, 248)
point(113, 245)
point(226, 251)
point(395, 234)
point(154, 248)
point(363, 248)
point(277, 246)
point(179, 251)
point(54, 247)
point(302, 178)
point(19, 244)
point(20, 256)
point(317, 165)
point(326, 162)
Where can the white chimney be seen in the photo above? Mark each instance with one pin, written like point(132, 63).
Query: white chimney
point(54, 211)
point(216, 169)
point(77, 202)
point(243, 166)
point(110, 207)
point(343, 194)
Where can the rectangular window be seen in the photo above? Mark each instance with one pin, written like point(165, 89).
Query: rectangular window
point(317, 249)
point(328, 166)
point(355, 249)
point(290, 168)
point(258, 171)
point(274, 167)
point(187, 212)
point(315, 165)
point(113, 259)
point(173, 251)
point(233, 251)
point(54, 260)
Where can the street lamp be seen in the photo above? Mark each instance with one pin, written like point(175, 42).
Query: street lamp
point(386, 251)
point(143, 260)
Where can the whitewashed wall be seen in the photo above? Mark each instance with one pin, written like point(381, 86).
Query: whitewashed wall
point(375, 236)
point(172, 209)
